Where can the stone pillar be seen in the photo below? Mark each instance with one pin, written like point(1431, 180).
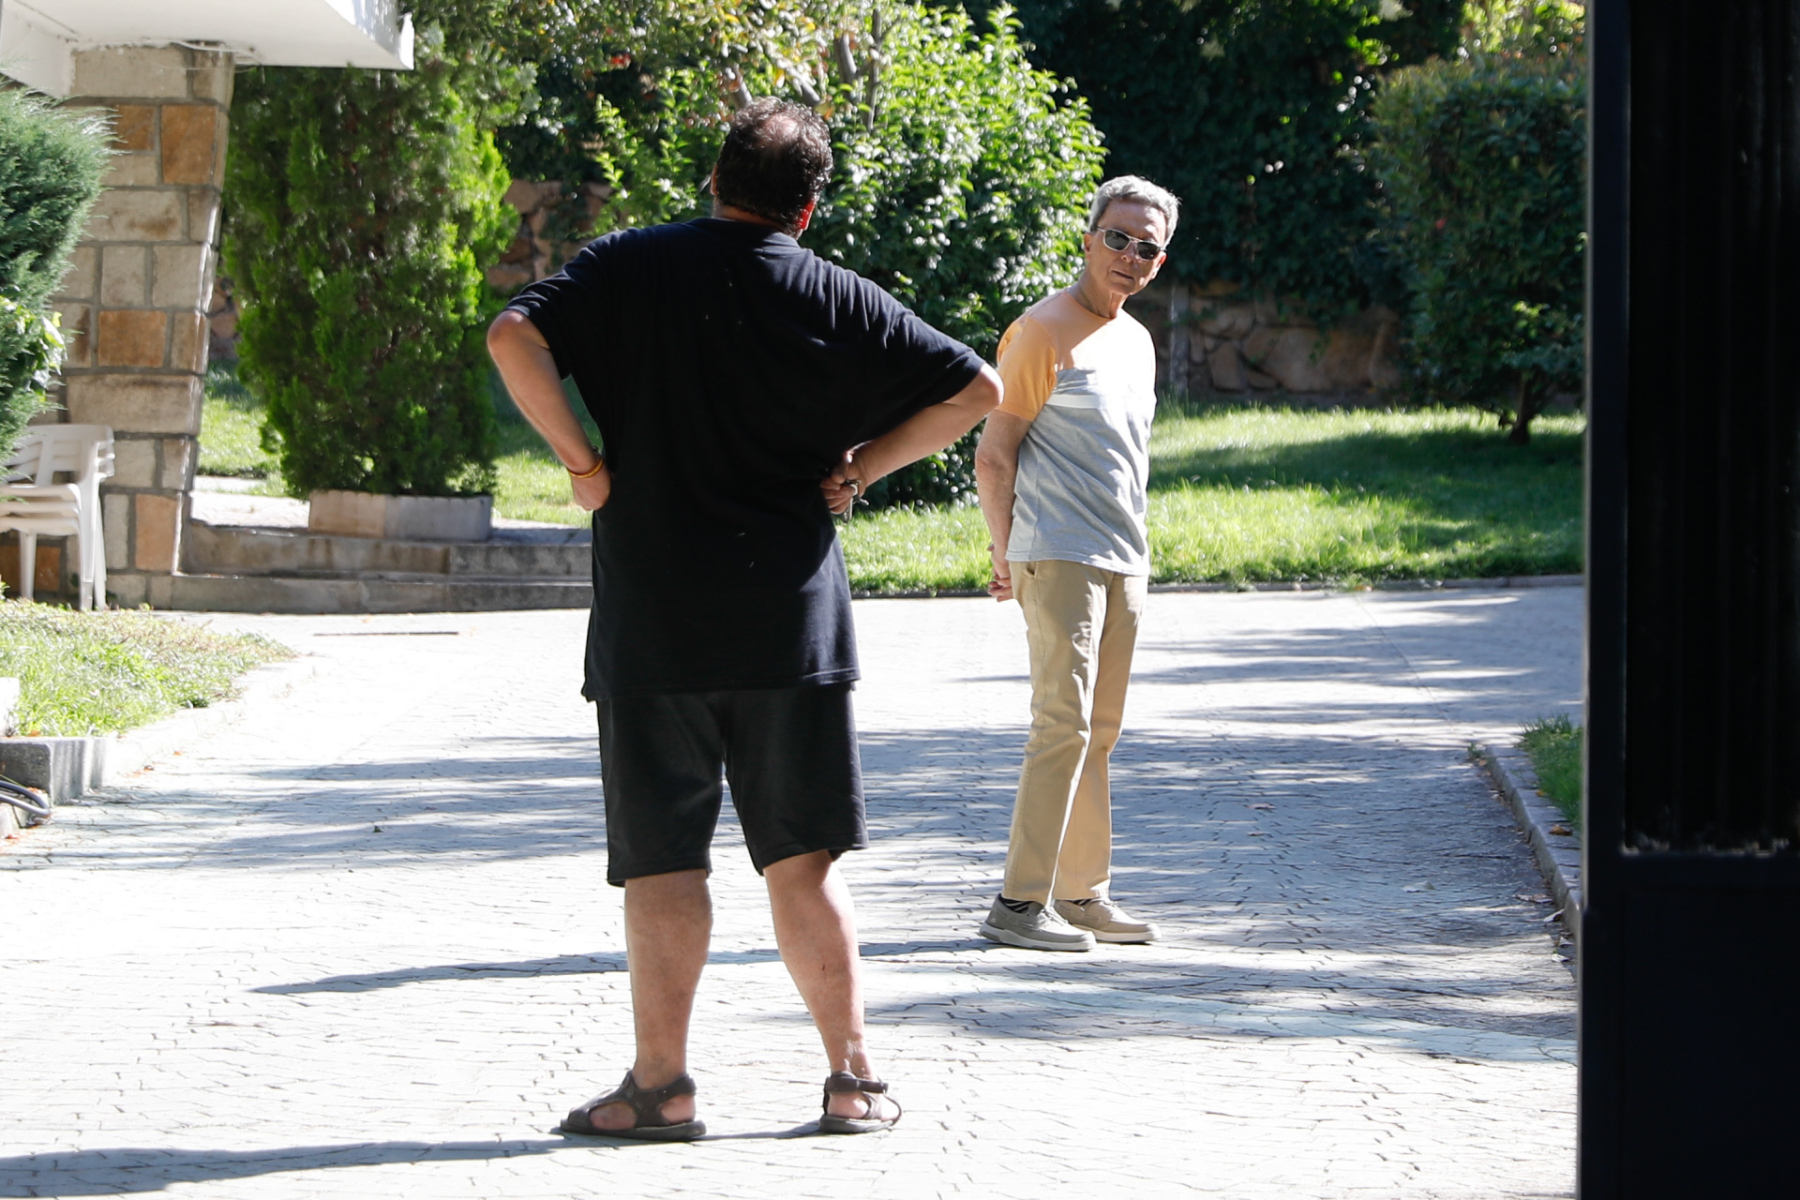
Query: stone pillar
point(136, 301)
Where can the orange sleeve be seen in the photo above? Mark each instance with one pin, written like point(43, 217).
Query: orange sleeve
point(1027, 365)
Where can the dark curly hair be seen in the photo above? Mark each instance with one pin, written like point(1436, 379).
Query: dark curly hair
point(775, 161)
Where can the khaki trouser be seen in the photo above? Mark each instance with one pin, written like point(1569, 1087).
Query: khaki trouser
point(1081, 623)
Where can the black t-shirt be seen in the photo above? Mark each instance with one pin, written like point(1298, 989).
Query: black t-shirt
point(728, 369)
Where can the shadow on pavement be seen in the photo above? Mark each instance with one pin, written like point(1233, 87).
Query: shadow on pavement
point(1366, 878)
point(567, 964)
point(130, 1169)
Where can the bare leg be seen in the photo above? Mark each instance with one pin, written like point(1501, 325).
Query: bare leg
point(668, 923)
point(815, 926)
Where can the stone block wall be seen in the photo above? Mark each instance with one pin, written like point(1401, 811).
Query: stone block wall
point(1212, 341)
point(555, 222)
point(137, 298)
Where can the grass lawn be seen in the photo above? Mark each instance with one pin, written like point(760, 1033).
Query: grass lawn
point(1237, 495)
point(231, 428)
point(83, 673)
point(1249, 495)
point(1241, 495)
point(1554, 746)
point(532, 486)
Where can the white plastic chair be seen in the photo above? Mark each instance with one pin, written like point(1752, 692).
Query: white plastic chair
point(34, 503)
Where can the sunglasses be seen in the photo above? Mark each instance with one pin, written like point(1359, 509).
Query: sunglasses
point(1118, 239)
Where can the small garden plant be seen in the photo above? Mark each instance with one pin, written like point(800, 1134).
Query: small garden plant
point(1554, 746)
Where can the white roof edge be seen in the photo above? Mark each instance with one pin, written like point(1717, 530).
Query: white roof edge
point(33, 55)
point(38, 50)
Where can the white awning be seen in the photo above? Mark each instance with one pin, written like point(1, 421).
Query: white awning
point(38, 38)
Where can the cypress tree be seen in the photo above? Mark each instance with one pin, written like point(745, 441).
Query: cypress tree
point(361, 207)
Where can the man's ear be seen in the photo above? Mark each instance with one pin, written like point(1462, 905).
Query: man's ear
point(805, 217)
point(712, 182)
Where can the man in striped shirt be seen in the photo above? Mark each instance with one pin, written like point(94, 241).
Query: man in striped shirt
point(1063, 466)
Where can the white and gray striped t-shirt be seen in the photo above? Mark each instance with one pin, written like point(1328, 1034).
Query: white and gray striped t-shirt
point(1088, 386)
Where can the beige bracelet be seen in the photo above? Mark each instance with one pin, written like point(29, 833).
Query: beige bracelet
point(588, 474)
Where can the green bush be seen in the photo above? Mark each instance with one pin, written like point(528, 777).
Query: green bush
point(1482, 163)
point(1255, 114)
point(362, 206)
point(963, 191)
point(962, 174)
point(50, 168)
point(961, 182)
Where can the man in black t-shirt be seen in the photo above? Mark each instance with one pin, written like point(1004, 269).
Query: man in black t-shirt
point(745, 390)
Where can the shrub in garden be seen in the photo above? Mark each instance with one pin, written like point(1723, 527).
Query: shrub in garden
point(961, 182)
point(961, 177)
point(1255, 114)
point(962, 190)
point(50, 168)
point(362, 206)
point(1483, 167)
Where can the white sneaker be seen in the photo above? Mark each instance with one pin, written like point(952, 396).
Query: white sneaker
point(1035, 928)
point(1106, 921)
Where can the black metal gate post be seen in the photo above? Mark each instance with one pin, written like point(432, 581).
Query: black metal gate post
point(1690, 934)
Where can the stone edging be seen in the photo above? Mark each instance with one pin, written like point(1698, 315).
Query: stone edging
point(70, 767)
point(1397, 585)
point(1558, 855)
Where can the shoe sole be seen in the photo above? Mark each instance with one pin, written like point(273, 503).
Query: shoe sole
point(684, 1131)
point(1124, 939)
point(831, 1124)
point(994, 933)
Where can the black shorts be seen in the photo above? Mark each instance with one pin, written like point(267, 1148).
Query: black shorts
point(790, 756)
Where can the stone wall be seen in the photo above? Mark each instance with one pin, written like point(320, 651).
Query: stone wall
point(1214, 342)
point(555, 222)
point(135, 302)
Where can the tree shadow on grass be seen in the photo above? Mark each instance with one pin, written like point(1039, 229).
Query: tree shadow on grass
point(1385, 460)
point(1375, 504)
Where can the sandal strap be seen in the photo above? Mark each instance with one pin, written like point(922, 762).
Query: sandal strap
point(842, 1083)
point(646, 1103)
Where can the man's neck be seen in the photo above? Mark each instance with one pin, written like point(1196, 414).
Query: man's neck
point(727, 212)
point(1103, 303)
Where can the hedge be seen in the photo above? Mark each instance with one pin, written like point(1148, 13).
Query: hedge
point(1483, 168)
point(50, 169)
point(362, 207)
point(1255, 115)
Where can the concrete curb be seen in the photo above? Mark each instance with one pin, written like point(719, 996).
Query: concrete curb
point(66, 768)
point(1395, 585)
point(1391, 585)
point(1558, 855)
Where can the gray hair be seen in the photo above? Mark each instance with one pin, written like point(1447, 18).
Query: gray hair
point(1135, 187)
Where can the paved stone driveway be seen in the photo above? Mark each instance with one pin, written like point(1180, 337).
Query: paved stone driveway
point(358, 945)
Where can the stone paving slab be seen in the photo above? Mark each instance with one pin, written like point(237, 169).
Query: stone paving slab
point(358, 945)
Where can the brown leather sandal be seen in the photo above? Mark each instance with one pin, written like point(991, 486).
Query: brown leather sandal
point(647, 1104)
point(843, 1083)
